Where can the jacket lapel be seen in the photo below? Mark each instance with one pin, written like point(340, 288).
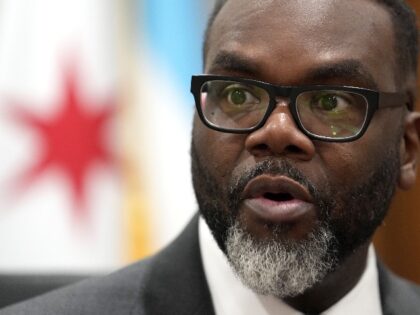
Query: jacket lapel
point(398, 296)
point(177, 283)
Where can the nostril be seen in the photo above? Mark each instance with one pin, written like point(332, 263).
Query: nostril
point(293, 149)
point(262, 147)
point(274, 139)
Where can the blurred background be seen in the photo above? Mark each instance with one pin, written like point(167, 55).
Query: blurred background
point(95, 118)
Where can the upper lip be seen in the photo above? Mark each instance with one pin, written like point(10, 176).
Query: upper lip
point(263, 184)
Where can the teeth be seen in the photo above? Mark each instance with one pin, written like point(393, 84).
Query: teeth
point(278, 196)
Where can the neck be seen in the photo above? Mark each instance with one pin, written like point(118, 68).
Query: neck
point(334, 286)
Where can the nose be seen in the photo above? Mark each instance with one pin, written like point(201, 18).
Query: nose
point(280, 136)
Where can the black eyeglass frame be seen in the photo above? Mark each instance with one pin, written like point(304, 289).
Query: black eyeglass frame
point(375, 100)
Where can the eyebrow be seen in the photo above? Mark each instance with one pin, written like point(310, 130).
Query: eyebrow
point(233, 62)
point(349, 70)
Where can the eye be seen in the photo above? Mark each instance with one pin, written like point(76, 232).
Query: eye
point(328, 102)
point(331, 102)
point(240, 96)
point(237, 97)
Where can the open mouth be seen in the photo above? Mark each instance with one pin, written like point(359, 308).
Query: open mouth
point(277, 189)
point(279, 197)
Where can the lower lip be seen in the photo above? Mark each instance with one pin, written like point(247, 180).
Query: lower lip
point(279, 211)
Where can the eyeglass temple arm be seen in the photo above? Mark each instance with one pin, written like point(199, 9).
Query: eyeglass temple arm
point(394, 100)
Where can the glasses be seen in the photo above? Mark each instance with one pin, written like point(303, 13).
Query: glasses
point(322, 112)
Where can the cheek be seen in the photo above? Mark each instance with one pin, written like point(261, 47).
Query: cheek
point(219, 152)
point(350, 165)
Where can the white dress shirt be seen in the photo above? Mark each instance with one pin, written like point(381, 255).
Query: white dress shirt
point(231, 297)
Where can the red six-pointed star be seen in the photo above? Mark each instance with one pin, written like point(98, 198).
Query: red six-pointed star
point(73, 140)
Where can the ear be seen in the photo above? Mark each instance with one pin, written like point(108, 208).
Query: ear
point(409, 154)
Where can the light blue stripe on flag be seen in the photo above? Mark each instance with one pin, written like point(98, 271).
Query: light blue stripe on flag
point(174, 31)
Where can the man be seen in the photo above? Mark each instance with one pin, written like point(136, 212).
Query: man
point(304, 129)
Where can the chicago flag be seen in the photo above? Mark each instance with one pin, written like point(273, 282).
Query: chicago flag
point(60, 175)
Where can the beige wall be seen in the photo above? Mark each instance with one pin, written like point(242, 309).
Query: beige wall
point(398, 240)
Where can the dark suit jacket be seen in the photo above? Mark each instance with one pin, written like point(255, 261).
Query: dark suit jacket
point(173, 283)
point(18, 287)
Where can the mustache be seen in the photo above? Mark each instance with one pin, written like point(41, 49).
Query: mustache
point(271, 167)
point(274, 168)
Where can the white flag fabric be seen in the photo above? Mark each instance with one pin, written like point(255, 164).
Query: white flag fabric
point(60, 185)
point(93, 176)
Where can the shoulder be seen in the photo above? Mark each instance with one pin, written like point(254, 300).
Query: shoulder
point(398, 295)
point(102, 295)
point(170, 282)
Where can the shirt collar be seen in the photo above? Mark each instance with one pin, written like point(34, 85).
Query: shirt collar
point(231, 297)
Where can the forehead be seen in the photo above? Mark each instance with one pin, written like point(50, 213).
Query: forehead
point(291, 36)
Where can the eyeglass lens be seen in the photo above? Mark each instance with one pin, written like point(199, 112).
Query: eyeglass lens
point(328, 113)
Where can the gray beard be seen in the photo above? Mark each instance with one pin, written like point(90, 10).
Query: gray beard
point(277, 267)
point(348, 217)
